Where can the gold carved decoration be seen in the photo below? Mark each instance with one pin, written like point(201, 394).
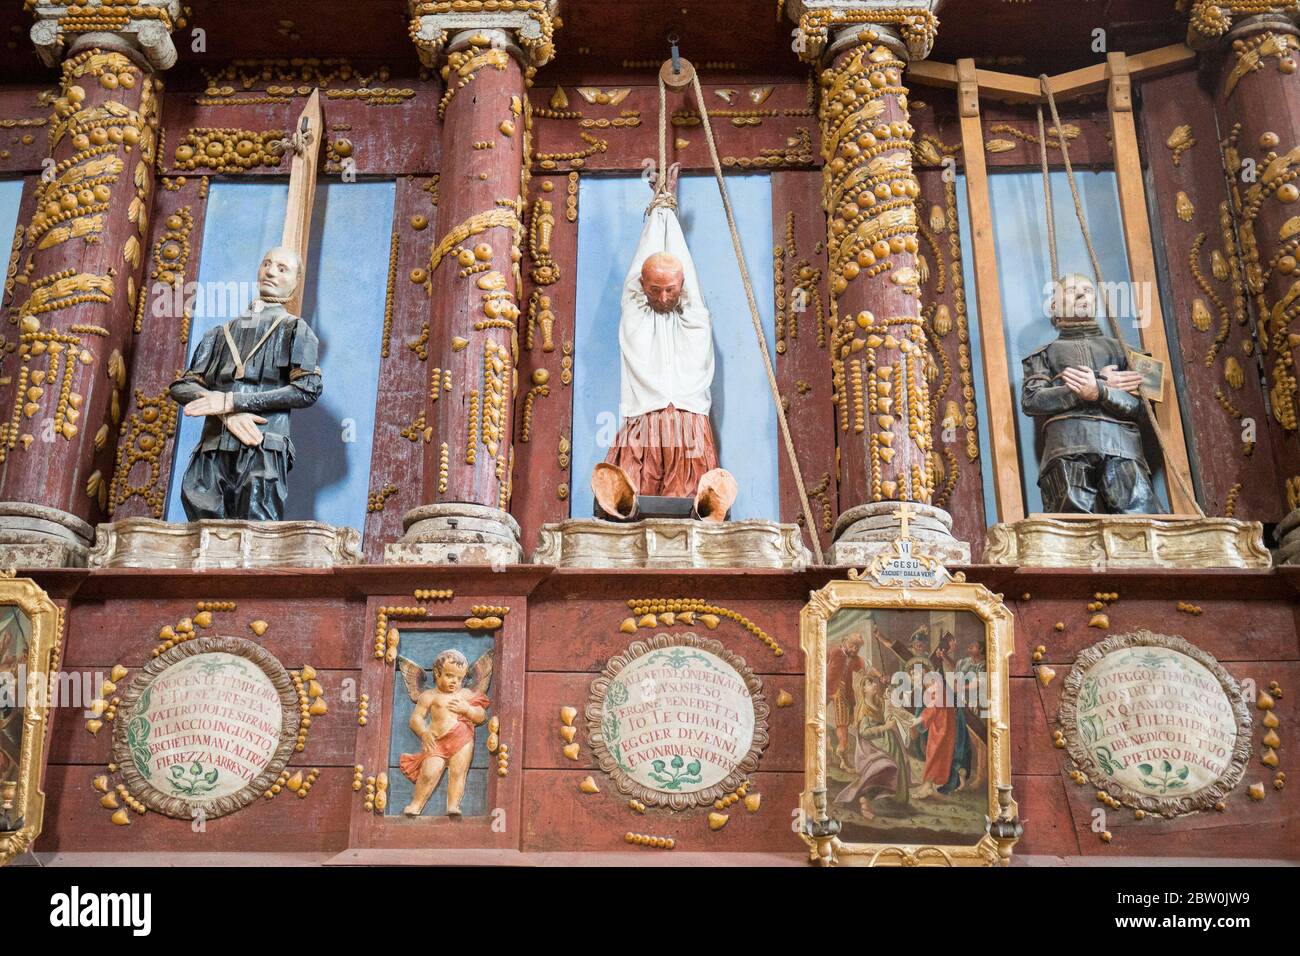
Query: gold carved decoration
point(685, 612)
point(229, 150)
point(598, 97)
point(1179, 141)
point(1253, 51)
point(880, 367)
point(917, 26)
point(147, 431)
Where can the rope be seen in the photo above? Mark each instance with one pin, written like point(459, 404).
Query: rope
point(749, 293)
point(1047, 196)
point(663, 196)
point(1147, 405)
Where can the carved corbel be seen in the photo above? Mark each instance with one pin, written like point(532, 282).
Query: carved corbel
point(824, 27)
point(526, 28)
point(1210, 21)
point(142, 29)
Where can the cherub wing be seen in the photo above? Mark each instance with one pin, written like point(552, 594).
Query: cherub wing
point(483, 673)
point(413, 674)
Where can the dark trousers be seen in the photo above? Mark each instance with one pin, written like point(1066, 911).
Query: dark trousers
point(249, 484)
point(1097, 484)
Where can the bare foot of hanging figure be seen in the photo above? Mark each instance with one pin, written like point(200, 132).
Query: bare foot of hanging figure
point(665, 445)
point(1081, 386)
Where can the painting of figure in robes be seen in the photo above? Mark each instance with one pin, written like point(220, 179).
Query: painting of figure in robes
point(15, 629)
point(910, 764)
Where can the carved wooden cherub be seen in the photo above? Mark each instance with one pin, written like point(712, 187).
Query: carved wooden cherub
point(443, 721)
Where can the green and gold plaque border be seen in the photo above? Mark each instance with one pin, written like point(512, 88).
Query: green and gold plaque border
point(657, 798)
point(1068, 711)
point(290, 706)
point(29, 802)
point(953, 593)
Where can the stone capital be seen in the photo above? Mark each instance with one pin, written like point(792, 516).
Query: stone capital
point(823, 28)
point(524, 28)
point(1215, 22)
point(141, 29)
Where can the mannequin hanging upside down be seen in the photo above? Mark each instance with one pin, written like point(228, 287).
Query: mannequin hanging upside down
point(665, 443)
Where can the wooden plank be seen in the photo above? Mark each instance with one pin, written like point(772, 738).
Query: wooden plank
point(799, 234)
point(988, 297)
point(1164, 59)
point(1143, 274)
point(1001, 85)
point(1090, 79)
point(397, 461)
point(302, 193)
point(1075, 83)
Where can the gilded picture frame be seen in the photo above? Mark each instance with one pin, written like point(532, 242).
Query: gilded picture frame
point(943, 594)
point(35, 664)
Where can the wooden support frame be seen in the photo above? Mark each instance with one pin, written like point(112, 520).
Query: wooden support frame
point(999, 412)
point(1143, 274)
point(302, 193)
point(1025, 89)
point(1114, 76)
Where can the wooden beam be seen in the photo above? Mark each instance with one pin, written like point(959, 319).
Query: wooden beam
point(1142, 272)
point(1091, 79)
point(1002, 85)
point(998, 410)
point(302, 192)
point(1161, 60)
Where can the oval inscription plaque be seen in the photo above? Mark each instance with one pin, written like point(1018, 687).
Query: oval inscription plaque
point(208, 724)
point(677, 721)
point(1156, 722)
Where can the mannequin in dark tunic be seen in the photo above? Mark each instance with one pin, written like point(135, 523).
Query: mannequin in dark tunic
point(1080, 386)
point(241, 463)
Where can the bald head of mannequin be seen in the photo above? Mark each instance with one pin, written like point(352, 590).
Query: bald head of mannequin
point(662, 277)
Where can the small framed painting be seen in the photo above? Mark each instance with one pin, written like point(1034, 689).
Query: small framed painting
point(907, 759)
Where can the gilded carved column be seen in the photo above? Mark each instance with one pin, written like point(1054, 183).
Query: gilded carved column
point(79, 276)
point(1259, 96)
point(880, 356)
point(488, 53)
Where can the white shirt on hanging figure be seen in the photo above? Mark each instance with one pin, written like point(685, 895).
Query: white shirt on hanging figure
point(665, 443)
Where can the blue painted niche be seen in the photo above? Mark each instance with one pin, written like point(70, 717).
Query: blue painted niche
point(11, 194)
point(347, 276)
point(1024, 267)
point(610, 217)
point(423, 647)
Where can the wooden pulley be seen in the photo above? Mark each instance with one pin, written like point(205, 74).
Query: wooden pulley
point(680, 79)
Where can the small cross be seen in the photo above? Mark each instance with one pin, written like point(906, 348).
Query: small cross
point(903, 513)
